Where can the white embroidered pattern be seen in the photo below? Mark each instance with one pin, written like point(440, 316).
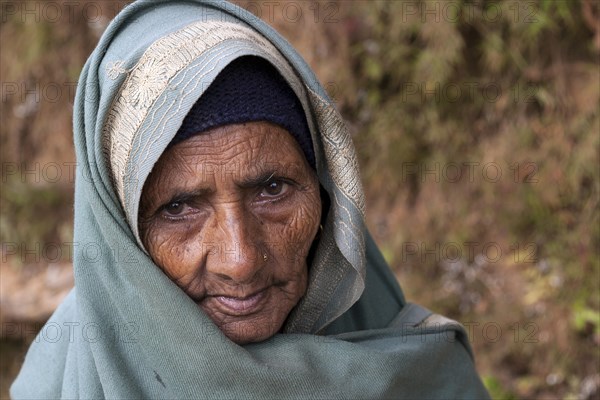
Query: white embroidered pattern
point(339, 150)
point(114, 69)
point(145, 86)
point(340, 257)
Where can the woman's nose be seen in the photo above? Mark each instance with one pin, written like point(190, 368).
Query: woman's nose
point(235, 252)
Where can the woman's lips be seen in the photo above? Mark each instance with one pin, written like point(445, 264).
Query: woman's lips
point(241, 305)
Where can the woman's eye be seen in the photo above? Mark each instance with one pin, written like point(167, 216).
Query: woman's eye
point(274, 188)
point(177, 210)
point(174, 208)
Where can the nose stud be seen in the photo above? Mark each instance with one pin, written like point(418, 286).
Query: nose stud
point(265, 257)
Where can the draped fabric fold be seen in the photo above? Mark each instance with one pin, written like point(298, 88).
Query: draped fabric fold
point(127, 331)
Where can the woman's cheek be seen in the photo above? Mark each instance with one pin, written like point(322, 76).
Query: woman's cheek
point(172, 251)
point(301, 227)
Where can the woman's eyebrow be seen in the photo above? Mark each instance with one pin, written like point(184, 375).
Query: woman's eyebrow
point(183, 194)
point(259, 180)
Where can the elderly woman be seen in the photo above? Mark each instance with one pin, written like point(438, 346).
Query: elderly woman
point(221, 249)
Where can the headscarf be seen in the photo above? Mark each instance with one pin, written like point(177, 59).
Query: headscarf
point(127, 331)
point(249, 89)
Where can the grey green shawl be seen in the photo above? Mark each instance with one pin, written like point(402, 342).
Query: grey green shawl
point(127, 331)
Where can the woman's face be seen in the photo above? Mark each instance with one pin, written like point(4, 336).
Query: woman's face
point(230, 215)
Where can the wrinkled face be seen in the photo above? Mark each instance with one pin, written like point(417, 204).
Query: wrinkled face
point(230, 215)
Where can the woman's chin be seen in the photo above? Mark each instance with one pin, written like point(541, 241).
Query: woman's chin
point(252, 318)
point(247, 332)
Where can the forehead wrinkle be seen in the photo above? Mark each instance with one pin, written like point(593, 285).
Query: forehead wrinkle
point(252, 148)
point(180, 161)
point(216, 143)
point(220, 147)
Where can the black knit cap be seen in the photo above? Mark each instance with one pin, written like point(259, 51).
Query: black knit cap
point(249, 89)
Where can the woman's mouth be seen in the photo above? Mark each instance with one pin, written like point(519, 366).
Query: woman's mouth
point(241, 305)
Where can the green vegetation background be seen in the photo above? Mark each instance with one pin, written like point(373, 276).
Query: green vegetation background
point(477, 126)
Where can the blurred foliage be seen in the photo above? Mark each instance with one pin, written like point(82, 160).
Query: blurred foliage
point(510, 83)
point(33, 216)
point(496, 390)
point(433, 91)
